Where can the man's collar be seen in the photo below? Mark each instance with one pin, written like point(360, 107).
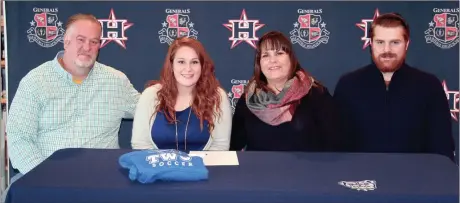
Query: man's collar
point(58, 67)
point(61, 71)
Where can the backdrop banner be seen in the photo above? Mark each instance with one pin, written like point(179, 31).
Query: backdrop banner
point(330, 38)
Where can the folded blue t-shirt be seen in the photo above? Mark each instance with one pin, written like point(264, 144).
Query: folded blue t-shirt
point(148, 166)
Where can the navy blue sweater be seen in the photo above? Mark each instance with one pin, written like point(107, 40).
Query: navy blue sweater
point(411, 116)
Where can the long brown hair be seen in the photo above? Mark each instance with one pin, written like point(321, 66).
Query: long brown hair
point(206, 95)
point(274, 40)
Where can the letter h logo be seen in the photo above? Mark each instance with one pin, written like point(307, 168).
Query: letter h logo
point(113, 29)
point(243, 30)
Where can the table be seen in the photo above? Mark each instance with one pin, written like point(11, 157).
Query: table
point(93, 175)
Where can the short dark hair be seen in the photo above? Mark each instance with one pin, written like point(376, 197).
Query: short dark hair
point(391, 20)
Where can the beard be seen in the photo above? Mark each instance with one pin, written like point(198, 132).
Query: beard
point(84, 64)
point(388, 62)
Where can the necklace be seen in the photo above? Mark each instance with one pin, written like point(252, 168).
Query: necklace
point(185, 134)
point(278, 89)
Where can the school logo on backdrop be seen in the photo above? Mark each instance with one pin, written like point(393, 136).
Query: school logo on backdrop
point(443, 28)
point(454, 100)
point(177, 24)
point(237, 90)
point(365, 25)
point(113, 30)
point(45, 28)
point(309, 29)
point(243, 30)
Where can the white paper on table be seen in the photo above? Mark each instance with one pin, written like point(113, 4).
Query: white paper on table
point(217, 158)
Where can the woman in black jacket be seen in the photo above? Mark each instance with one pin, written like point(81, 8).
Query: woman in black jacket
point(283, 107)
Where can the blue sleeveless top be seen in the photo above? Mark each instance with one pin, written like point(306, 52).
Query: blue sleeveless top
point(164, 133)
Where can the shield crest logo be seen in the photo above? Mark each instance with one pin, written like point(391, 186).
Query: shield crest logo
point(177, 26)
point(46, 28)
point(309, 28)
point(445, 27)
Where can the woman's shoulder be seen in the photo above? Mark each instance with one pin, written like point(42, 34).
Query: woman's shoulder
point(317, 91)
point(153, 89)
point(319, 88)
point(150, 93)
point(222, 91)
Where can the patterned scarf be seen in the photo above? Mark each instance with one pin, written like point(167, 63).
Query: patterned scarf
point(277, 109)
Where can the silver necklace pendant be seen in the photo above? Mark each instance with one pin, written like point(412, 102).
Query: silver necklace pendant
point(185, 133)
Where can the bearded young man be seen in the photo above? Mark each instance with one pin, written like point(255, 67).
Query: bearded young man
point(389, 106)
